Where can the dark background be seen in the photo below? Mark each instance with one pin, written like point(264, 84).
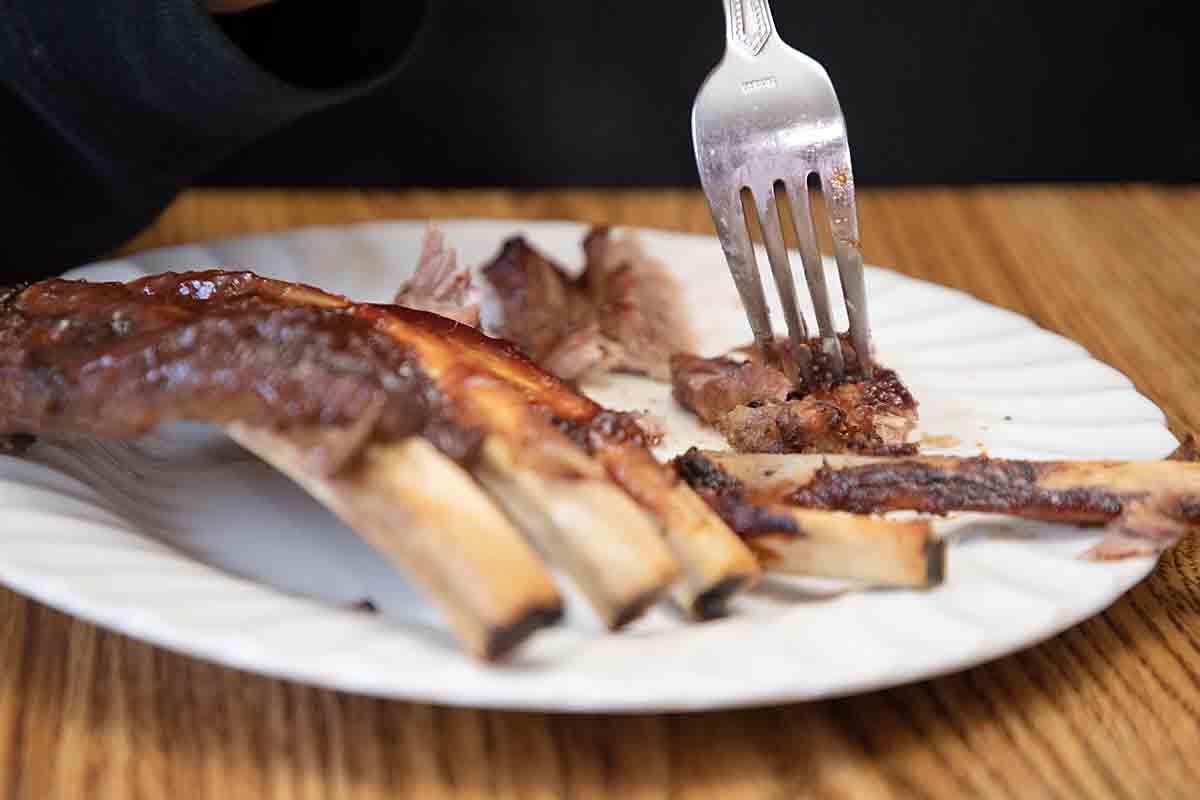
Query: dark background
point(585, 93)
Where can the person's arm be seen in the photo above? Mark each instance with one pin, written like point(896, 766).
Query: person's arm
point(108, 108)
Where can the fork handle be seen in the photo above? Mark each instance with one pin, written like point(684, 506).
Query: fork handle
point(748, 25)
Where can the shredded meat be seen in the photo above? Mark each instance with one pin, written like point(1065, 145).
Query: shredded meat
point(760, 410)
point(578, 352)
point(540, 306)
point(622, 314)
point(438, 285)
point(637, 302)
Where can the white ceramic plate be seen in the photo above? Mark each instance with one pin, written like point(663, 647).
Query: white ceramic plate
point(183, 540)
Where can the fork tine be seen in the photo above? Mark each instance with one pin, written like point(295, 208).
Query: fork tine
point(772, 233)
point(730, 221)
point(837, 188)
point(814, 271)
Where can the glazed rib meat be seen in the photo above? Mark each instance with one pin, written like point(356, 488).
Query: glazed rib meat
point(114, 360)
point(335, 394)
point(760, 410)
point(1145, 506)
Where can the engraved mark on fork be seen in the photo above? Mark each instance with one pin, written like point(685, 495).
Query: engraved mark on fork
point(759, 84)
point(755, 37)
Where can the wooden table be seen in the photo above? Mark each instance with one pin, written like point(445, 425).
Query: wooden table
point(1110, 708)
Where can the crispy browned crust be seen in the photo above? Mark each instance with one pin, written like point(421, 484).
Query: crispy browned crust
point(972, 484)
point(114, 360)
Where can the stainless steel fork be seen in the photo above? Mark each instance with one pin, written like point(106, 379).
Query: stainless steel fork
point(767, 118)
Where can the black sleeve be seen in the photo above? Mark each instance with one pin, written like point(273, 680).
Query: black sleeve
point(109, 107)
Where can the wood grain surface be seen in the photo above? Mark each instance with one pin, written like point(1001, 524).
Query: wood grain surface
point(1110, 708)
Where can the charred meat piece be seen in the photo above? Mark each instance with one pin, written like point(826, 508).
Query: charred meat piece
point(1145, 505)
point(760, 410)
point(622, 313)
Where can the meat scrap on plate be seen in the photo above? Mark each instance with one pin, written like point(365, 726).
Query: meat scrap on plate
point(622, 313)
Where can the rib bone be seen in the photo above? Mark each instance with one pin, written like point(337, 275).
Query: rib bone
point(424, 514)
point(831, 544)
